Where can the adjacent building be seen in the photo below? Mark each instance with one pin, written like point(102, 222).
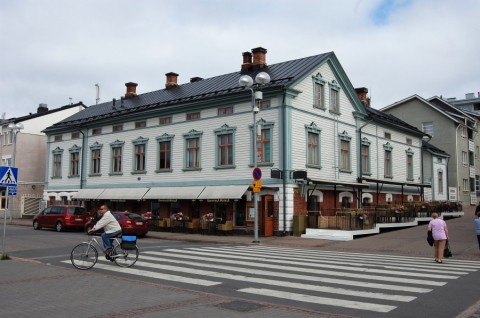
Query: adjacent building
point(26, 145)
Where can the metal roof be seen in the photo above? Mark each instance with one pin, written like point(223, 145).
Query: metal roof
point(282, 74)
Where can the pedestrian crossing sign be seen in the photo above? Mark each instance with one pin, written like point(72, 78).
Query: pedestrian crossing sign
point(8, 176)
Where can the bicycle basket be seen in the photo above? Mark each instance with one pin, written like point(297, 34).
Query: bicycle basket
point(129, 242)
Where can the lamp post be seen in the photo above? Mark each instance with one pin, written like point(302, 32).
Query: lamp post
point(14, 129)
point(262, 78)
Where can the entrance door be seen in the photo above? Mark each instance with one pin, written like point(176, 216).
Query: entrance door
point(267, 211)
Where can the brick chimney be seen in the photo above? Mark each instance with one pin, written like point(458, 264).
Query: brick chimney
point(42, 108)
point(259, 56)
point(247, 61)
point(131, 89)
point(362, 93)
point(171, 80)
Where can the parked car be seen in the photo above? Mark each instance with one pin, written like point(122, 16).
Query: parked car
point(60, 217)
point(131, 223)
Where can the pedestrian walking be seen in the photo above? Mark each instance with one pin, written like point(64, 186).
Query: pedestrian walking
point(477, 209)
point(477, 227)
point(440, 235)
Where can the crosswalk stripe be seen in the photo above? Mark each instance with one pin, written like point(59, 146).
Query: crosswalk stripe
point(430, 268)
point(318, 300)
point(251, 271)
point(140, 272)
point(359, 261)
point(297, 263)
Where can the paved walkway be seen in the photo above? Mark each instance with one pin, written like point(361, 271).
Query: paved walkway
point(26, 278)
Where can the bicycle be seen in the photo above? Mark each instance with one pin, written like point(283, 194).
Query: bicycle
point(85, 255)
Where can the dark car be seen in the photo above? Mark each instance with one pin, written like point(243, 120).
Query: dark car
point(131, 223)
point(60, 217)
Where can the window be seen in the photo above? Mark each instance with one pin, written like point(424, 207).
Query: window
point(58, 137)
point(477, 152)
point(75, 135)
point(193, 116)
point(96, 156)
point(165, 120)
point(388, 160)
point(192, 150)
point(318, 91)
point(117, 157)
point(464, 132)
point(388, 135)
point(7, 138)
point(264, 104)
point(466, 188)
point(465, 158)
point(334, 97)
point(409, 154)
point(164, 152)
point(96, 131)
point(427, 128)
point(345, 164)
point(74, 161)
point(263, 146)
point(225, 111)
point(57, 163)
point(225, 147)
point(409, 141)
point(117, 128)
point(365, 156)
point(140, 124)
point(139, 160)
point(440, 181)
point(313, 145)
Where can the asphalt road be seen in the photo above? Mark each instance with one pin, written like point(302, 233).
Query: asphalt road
point(199, 279)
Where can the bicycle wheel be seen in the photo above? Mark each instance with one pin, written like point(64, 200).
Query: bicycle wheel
point(84, 256)
point(125, 258)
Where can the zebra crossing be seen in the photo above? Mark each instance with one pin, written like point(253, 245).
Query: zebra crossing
point(369, 282)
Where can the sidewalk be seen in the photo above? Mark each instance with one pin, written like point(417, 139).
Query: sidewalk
point(403, 241)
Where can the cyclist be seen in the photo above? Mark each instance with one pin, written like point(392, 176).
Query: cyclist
point(111, 228)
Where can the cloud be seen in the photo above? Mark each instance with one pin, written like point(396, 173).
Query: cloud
point(56, 50)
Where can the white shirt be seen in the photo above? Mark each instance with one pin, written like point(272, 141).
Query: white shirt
point(108, 222)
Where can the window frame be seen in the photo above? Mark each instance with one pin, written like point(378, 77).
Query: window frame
point(311, 151)
point(74, 168)
point(165, 138)
point(229, 153)
point(96, 159)
point(345, 152)
point(139, 160)
point(366, 165)
point(319, 92)
point(334, 102)
point(388, 161)
point(409, 164)
point(265, 145)
point(116, 160)
point(196, 151)
point(57, 158)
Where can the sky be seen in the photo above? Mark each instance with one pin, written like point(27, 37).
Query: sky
point(55, 51)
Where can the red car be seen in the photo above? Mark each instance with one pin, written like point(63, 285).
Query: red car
point(60, 217)
point(131, 223)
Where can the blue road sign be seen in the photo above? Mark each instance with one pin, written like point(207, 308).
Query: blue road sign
point(257, 173)
point(12, 191)
point(8, 176)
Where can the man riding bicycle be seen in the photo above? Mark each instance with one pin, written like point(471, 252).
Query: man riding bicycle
point(111, 228)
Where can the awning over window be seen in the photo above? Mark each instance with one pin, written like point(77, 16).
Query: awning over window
point(337, 183)
point(123, 194)
point(87, 194)
point(223, 192)
point(174, 193)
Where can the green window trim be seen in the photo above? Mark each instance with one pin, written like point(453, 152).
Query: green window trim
point(344, 136)
point(116, 144)
point(57, 173)
point(75, 150)
point(140, 141)
point(409, 153)
point(264, 126)
point(366, 143)
point(318, 80)
point(164, 138)
point(224, 130)
point(387, 171)
point(192, 134)
point(334, 100)
point(313, 128)
point(94, 147)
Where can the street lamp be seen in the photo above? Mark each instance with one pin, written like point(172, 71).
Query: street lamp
point(262, 78)
point(14, 129)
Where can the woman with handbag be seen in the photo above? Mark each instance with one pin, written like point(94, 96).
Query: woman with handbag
point(439, 230)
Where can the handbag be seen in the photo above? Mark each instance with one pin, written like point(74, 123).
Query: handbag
point(447, 252)
point(430, 239)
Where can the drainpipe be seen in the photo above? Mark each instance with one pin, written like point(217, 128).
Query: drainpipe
point(284, 154)
point(422, 193)
point(359, 159)
point(83, 158)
